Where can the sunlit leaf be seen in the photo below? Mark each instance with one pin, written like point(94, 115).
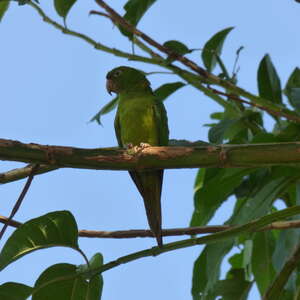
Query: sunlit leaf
point(269, 86)
point(214, 47)
point(53, 229)
point(14, 291)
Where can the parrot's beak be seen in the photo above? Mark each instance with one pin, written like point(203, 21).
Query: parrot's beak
point(109, 86)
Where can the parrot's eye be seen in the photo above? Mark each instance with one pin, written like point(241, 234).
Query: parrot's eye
point(117, 73)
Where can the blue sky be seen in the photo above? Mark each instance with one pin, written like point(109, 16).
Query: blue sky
point(52, 84)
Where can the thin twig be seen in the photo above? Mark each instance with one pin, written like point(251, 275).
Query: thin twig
point(122, 22)
point(135, 233)
point(21, 173)
point(205, 76)
point(20, 199)
point(158, 60)
point(95, 44)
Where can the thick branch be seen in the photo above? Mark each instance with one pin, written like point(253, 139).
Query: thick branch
point(225, 156)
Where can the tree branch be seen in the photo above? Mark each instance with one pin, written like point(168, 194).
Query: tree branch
point(156, 59)
point(141, 233)
point(213, 238)
point(277, 287)
point(290, 117)
point(19, 200)
point(95, 44)
point(151, 158)
point(21, 173)
point(204, 75)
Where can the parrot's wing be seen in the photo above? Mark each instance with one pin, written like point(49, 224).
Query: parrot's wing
point(161, 120)
point(118, 130)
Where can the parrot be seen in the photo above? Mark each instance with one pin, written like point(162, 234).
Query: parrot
point(141, 120)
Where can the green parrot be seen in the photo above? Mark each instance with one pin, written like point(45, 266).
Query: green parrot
point(141, 119)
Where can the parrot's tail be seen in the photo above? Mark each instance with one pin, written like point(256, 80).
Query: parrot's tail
point(149, 185)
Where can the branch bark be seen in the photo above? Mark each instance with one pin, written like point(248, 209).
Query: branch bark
point(141, 233)
point(151, 158)
point(21, 173)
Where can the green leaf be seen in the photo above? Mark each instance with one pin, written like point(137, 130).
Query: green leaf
point(259, 202)
point(216, 133)
point(269, 86)
point(292, 89)
point(214, 47)
point(63, 7)
point(247, 254)
point(88, 272)
point(165, 90)
point(177, 47)
point(3, 8)
point(212, 187)
point(262, 267)
point(135, 9)
point(62, 281)
point(14, 291)
point(236, 260)
point(285, 246)
point(206, 269)
point(108, 107)
point(287, 132)
point(217, 115)
point(53, 229)
point(235, 287)
point(94, 263)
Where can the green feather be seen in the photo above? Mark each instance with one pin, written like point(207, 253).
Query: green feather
point(141, 118)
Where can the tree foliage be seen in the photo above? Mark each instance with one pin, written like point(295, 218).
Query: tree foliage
point(264, 257)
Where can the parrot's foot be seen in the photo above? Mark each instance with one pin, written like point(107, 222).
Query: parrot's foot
point(129, 146)
point(138, 148)
point(141, 147)
point(144, 145)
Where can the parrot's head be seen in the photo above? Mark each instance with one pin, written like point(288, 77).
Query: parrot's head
point(126, 79)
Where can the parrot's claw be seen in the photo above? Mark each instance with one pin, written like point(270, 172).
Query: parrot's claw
point(137, 149)
point(141, 147)
point(129, 146)
point(144, 145)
